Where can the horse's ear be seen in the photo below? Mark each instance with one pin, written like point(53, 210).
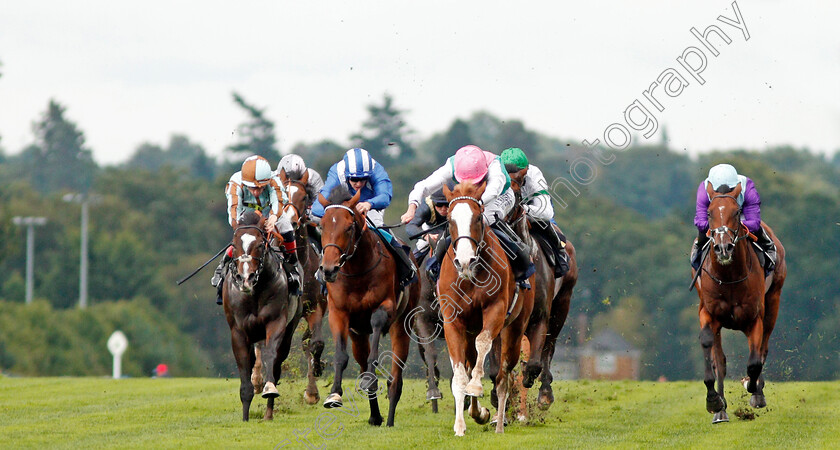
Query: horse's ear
point(323, 200)
point(355, 199)
point(304, 178)
point(282, 175)
point(737, 191)
point(709, 191)
point(447, 192)
point(479, 188)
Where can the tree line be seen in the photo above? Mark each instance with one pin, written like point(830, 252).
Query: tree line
point(162, 213)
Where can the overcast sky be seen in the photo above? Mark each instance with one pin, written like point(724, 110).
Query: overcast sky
point(131, 72)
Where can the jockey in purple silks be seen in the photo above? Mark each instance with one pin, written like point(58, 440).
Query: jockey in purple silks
point(723, 178)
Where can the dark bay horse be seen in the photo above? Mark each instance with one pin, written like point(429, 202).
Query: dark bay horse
point(365, 301)
point(314, 302)
point(258, 308)
point(480, 305)
point(552, 298)
point(735, 294)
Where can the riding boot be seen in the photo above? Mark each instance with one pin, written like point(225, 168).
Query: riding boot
point(520, 258)
point(290, 262)
point(433, 264)
point(697, 250)
point(314, 235)
point(219, 274)
point(769, 248)
point(558, 242)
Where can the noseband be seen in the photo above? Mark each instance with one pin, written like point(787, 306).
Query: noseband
point(468, 237)
point(357, 237)
point(248, 258)
point(735, 235)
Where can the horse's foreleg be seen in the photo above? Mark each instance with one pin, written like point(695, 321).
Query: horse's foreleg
point(275, 332)
point(366, 384)
point(494, 318)
point(429, 354)
point(243, 352)
point(256, 373)
point(316, 342)
point(511, 345)
point(536, 340)
point(456, 340)
point(714, 402)
point(339, 327)
point(755, 364)
point(399, 356)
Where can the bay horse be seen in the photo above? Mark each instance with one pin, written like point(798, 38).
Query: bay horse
point(258, 308)
point(314, 301)
point(735, 294)
point(364, 299)
point(552, 298)
point(480, 305)
point(427, 326)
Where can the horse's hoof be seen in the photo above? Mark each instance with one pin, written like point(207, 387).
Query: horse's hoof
point(545, 400)
point(720, 417)
point(758, 401)
point(715, 405)
point(333, 401)
point(474, 390)
point(483, 416)
point(375, 421)
point(433, 394)
point(311, 399)
point(460, 428)
point(270, 391)
point(496, 420)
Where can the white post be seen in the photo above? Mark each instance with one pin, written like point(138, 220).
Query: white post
point(30, 223)
point(83, 263)
point(117, 345)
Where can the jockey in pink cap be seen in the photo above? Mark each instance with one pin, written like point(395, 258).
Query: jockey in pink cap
point(474, 165)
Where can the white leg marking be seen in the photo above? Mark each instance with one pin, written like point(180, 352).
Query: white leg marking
point(459, 383)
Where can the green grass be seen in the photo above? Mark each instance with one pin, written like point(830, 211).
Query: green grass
point(185, 412)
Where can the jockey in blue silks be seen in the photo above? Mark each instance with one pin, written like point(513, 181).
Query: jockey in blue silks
point(358, 171)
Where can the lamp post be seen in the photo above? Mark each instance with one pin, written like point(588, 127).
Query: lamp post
point(30, 223)
point(85, 200)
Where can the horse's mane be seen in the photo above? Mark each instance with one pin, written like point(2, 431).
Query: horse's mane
point(511, 168)
point(294, 175)
point(724, 188)
point(339, 195)
point(250, 217)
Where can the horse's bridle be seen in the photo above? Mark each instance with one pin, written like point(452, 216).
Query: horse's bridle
point(357, 237)
point(247, 258)
point(735, 235)
point(470, 238)
point(286, 186)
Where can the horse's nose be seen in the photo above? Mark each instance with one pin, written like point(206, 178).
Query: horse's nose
point(252, 278)
point(329, 274)
point(459, 265)
point(724, 249)
point(237, 277)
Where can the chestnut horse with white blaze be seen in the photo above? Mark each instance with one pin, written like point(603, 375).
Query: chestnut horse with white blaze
point(480, 304)
point(734, 293)
point(364, 300)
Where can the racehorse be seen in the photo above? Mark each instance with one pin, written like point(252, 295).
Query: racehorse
point(364, 300)
point(552, 298)
point(314, 301)
point(428, 327)
point(735, 294)
point(480, 305)
point(258, 308)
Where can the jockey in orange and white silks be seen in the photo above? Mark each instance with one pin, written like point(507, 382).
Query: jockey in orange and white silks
point(254, 188)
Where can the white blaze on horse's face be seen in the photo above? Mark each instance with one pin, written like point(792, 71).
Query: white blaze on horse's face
point(247, 241)
point(293, 190)
point(462, 216)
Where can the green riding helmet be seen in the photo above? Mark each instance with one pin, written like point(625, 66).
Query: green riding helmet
point(516, 157)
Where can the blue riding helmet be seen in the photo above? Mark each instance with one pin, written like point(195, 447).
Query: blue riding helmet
point(358, 163)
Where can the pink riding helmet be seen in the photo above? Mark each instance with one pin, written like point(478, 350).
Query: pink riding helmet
point(471, 164)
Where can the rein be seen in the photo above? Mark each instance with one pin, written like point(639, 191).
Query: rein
point(736, 236)
point(357, 237)
point(483, 226)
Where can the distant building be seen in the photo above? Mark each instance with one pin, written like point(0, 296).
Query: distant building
point(608, 357)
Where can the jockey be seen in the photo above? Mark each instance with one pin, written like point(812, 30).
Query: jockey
point(537, 204)
point(474, 165)
point(295, 167)
point(253, 188)
point(358, 171)
point(432, 213)
point(723, 178)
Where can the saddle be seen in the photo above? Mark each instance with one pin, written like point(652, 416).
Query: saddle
point(400, 251)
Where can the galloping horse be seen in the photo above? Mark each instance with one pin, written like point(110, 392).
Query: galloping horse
point(480, 305)
point(314, 302)
point(552, 298)
point(365, 300)
point(258, 308)
point(735, 294)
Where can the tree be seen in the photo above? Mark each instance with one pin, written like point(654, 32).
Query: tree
point(61, 160)
point(384, 134)
point(457, 136)
point(256, 136)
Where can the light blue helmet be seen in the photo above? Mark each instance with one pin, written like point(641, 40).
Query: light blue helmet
point(723, 174)
point(358, 163)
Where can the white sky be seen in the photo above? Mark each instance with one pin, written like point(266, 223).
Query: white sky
point(131, 71)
